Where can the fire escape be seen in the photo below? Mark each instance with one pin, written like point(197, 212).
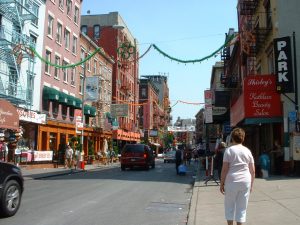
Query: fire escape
point(16, 63)
point(254, 28)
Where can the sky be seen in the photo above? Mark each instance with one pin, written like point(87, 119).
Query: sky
point(184, 29)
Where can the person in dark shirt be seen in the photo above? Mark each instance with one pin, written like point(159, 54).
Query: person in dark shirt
point(178, 159)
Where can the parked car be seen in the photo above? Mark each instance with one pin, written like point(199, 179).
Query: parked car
point(11, 189)
point(137, 155)
point(169, 157)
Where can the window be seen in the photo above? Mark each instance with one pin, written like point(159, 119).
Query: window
point(35, 10)
point(89, 63)
point(48, 58)
point(65, 71)
point(74, 45)
point(84, 29)
point(50, 25)
point(73, 72)
point(61, 4)
point(69, 7)
point(59, 33)
point(56, 70)
point(81, 84)
point(67, 39)
point(82, 57)
point(95, 67)
point(76, 15)
point(96, 32)
point(144, 94)
point(33, 39)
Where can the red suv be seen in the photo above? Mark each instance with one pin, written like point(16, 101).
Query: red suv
point(137, 155)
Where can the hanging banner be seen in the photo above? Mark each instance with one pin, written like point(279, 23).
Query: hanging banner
point(283, 64)
point(91, 89)
point(208, 106)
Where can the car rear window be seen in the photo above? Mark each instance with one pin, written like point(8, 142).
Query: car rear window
point(133, 148)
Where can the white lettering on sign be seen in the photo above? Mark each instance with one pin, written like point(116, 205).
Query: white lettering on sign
point(282, 64)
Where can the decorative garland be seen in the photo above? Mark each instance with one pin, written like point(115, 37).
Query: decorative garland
point(125, 51)
point(194, 60)
point(65, 66)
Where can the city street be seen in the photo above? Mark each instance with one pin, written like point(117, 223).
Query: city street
point(107, 197)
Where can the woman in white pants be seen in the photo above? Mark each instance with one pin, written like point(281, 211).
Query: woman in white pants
point(237, 178)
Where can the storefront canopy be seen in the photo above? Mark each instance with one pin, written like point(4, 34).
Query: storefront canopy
point(63, 98)
point(89, 110)
point(50, 94)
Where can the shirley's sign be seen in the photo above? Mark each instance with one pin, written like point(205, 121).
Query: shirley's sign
point(260, 97)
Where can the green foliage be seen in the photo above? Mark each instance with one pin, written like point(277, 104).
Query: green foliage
point(75, 143)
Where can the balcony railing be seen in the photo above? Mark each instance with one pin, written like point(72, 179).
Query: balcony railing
point(14, 37)
point(248, 7)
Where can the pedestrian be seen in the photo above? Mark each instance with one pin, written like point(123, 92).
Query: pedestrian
point(219, 157)
point(264, 164)
point(178, 159)
point(237, 178)
point(68, 157)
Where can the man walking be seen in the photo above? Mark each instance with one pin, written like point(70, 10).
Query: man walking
point(178, 159)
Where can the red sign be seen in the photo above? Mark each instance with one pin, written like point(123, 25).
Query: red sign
point(260, 97)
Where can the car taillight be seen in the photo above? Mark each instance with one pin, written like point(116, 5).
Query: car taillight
point(145, 155)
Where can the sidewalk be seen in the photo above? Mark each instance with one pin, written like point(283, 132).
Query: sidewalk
point(274, 201)
point(30, 174)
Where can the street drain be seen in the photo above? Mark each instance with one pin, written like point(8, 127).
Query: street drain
point(165, 207)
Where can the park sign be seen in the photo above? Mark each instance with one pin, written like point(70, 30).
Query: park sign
point(283, 64)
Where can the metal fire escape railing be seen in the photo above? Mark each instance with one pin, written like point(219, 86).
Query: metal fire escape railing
point(16, 77)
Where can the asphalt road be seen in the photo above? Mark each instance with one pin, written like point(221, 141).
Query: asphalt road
point(108, 197)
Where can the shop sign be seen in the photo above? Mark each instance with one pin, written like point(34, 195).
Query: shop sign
point(119, 110)
point(8, 116)
point(260, 97)
point(208, 106)
point(217, 111)
point(91, 88)
point(31, 116)
point(283, 64)
point(43, 156)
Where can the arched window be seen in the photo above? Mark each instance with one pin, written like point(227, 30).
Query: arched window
point(84, 29)
point(96, 32)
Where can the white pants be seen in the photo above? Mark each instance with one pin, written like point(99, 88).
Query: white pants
point(236, 201)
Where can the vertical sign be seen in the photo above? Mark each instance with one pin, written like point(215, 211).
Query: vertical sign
point(91, 88)
point(283, 64)
point(208, 106)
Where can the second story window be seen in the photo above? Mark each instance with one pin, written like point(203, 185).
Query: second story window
point(65, 71)
point(95, 67)
point(50, 25)
point(74, 45)
point(67, 39)
point(73, 72)
point(56, 70)
point(48, 58)
point(59, 33)
point(76, 15)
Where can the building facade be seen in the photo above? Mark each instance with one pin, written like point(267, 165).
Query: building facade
point(111, 33)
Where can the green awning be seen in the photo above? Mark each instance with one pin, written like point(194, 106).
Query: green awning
point(93, 111)
point(50, 93)
point(63, 98)
point(78, 103)
point(71, 101)
point(89, 110)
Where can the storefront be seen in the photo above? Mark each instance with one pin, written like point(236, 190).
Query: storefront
point(122, 137)
point(9, 130)
point(259, 111)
